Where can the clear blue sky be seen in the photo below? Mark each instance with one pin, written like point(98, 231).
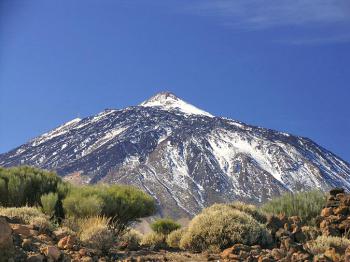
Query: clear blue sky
point(284, 65)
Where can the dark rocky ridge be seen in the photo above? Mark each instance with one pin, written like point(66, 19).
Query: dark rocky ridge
point(184, 157)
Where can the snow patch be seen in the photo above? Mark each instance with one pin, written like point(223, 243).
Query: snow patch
point(169, 102)
point(56, 132)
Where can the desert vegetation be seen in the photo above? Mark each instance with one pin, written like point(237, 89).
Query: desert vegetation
point(306, 205)
point(97, 220)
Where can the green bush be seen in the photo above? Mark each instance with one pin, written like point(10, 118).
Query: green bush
point(222, 226)
point(82, 207)
point(30, 186)
point(123, 204)
point(164, 226)
point(306, 205)
point(24, 185)
point(174, 238)
point(48, 203)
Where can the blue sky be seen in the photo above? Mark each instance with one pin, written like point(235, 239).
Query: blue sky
point(284, 65)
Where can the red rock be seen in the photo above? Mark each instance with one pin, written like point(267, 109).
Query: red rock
point(332, 254)
point(82, 251)
point(341, 210)
point(52, 252)
point(326, 212)
point(66, 242)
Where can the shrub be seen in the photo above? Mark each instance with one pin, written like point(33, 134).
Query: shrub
point(173, 239)
point(25, 185)
point(95, 233)
point(164, 226)
point(154, 240)
point(251, 210)
point(124, 204)
point(322, 243)
point(306, 205)
point(48, 203)
point(82, 207)
point(28, 215)
point(133, 239)
point(310, 232)
point(222, 226)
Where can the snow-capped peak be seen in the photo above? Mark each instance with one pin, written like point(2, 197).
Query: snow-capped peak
point(168, 101)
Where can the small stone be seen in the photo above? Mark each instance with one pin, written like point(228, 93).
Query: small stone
point(82, 251)
point(86, 259)
point(300, 256)
point(36, 258)
point(278, 253)
point(26, 244)
point(52, 252)
point(332, 254)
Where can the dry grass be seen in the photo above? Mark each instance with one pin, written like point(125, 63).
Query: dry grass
point(95, 232)
point(154, 240)
point(133, 238)
point(27, 215)
point(173, 239)
point(322, 243)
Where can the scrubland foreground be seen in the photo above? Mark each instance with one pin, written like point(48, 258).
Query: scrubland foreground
point(45, 219)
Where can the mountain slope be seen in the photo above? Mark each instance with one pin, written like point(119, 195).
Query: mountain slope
point(183, 156)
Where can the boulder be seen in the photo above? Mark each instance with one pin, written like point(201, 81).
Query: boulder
point(6, 240)
point(23, 230)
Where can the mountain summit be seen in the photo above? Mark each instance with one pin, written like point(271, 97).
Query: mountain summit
point(184, 157)
point(170, 102)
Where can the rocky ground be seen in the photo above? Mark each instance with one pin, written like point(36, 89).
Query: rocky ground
point(291, 242)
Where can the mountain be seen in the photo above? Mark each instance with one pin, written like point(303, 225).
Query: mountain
point(184, 157)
